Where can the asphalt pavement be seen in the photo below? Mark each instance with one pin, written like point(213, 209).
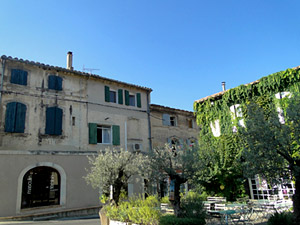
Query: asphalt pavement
point(63, 221)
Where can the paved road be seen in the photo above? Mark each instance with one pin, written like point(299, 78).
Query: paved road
point(71, 221)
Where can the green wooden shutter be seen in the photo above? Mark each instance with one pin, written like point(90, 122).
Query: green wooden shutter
point(107, 97)
point(52, 82)
point(92, 133)
point(58, 83)
point(20, 118)
point(116, 135)
point(10, 117)
point(138, 99)
point(126, 97)
point(120, 96)
point(50, 118)
point(58, 121)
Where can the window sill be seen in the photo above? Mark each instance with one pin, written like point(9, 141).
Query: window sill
point(16, 134)
point(53, 136)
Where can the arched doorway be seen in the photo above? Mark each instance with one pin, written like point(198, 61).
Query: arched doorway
point(40, 187)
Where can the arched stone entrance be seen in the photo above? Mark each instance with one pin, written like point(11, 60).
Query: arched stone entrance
point(40, 187)
point(24, 177)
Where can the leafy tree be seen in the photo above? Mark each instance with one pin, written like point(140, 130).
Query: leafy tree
point(179, 165)
point(115, 167)
point(220, 160)
point(272, 148)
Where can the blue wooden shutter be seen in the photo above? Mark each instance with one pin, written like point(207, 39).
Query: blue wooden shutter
point(58, 121)
point(166, 119)
point(120, 96)
point(106, 92)
point(10, 117)
point(138, 99)
point(20, 118)
point(23, 77)
point(116, 135)
point(126, 97)
point(50, 118)
point(92, 133)
point(51, 82)
point(58, 83)
point(14, 78)
point(18, 77)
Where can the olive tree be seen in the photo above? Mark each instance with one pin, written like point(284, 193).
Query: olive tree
point(272, 146)
point(179, 165)
point(114, 168)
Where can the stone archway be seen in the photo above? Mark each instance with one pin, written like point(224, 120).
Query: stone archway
point(52, 186)
point(40, 187)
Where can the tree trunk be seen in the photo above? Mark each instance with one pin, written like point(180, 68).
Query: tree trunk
point(176, 201)
point(117, 187)
point(296, 200)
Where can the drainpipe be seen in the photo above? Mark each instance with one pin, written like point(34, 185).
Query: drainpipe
point(125, 135)
point(2, 75)
point(149, 122)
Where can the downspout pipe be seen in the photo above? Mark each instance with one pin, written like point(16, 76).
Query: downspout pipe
point(149, 122)
point(2, 75)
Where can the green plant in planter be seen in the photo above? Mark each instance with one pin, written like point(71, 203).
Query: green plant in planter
point(136, 210)
point(165, 200)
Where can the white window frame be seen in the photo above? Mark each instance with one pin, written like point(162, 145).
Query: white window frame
point(236, 112)
point(134, 96)
point(173, 120)
point(215, 128)
point(116, 93)
point(109, 129)
point(281, 95)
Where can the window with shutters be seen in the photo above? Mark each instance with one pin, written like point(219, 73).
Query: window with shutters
point(104, 134)
point(169, 120)
point(55, 82)
point(53, 121)
point(18, 77)
point(15, 117)
point(113, 95)
point(132, 99)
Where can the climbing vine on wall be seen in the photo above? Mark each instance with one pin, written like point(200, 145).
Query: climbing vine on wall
point(223, 153)
point(262, 92)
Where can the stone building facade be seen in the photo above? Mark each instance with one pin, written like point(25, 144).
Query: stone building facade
point(171, 126)
point(51, 120)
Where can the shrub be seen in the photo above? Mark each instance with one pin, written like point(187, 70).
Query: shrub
point(173, 220)
point(136, 210)
point(165, 200)
point(285, 218)
point(192, 206)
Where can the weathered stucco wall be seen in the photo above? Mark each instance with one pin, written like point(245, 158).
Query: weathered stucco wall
point(82, 100)
point(162, 133)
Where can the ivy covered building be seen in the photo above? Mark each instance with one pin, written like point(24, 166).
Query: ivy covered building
point(221, 115)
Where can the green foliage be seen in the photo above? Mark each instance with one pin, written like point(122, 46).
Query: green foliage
point(192, 206)
point(173, 220)
point(179, 165)
point(103, 198)
point(224, 155)
point(136, 210)
point(221, 171)
point(115, 167)
point(285, 218)
point(165, 200)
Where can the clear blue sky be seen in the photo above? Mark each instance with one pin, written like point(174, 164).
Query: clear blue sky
point(183, 50)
